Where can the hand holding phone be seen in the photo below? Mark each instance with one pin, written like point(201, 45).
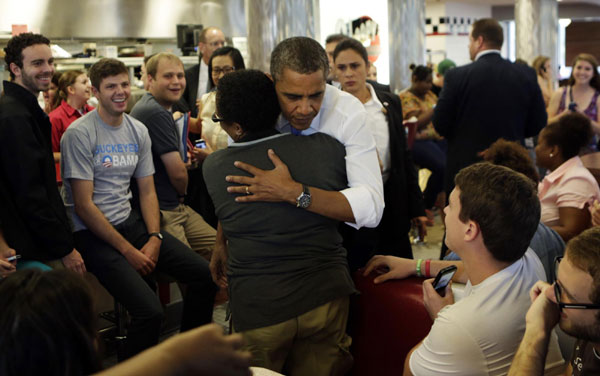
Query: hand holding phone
point(13, 258)
point(200, 144)
point(443, 278)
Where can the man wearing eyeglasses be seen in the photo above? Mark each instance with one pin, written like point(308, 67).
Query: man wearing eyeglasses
point(166, 81)
point(572, 302)
point(210, 39)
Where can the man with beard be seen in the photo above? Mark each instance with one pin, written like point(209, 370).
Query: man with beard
point(33, 217)
point(572, 301)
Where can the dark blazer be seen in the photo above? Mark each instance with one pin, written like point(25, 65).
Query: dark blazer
point(32, 214)
point(379, 87)
point(403, 197)
point(188, 99)
point(481, 102)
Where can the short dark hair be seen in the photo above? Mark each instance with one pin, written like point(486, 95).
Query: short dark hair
point(335, 38)
point(48, 324)
point(570, 133)
point(106, 67)
point(300, 54)
point(351, 44)
point(233, 53)
point(420, 72)
point(248, 98)
point(504, 204)
point(584, 252)
point(15, 46)
point(490, 30)
point(514, 156)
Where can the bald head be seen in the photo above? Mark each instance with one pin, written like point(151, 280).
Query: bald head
point(210, 39)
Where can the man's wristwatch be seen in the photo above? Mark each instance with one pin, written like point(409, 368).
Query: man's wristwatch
point(303, 201)
point(157, 234)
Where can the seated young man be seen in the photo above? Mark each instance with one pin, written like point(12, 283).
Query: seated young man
point(100, 153)
point(288, 276)
point(492, 214)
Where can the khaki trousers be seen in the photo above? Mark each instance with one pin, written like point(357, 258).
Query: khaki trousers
point(312, 344)
point(189, 228)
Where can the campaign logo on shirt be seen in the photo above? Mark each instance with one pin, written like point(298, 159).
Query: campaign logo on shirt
point(122, 155)
point(107, 161)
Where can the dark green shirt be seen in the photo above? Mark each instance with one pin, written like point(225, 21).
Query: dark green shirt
point(283, 261)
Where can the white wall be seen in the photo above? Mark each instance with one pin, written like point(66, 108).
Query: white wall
point(336, 12)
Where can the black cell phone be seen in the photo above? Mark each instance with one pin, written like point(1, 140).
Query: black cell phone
point(200, 144)
point(573, 106)
point(443, 278)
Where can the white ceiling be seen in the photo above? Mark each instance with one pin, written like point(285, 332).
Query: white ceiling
point(509, 2)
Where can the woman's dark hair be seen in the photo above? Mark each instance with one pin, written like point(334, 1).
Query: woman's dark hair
point(233, 53)
point(248, 98)
point(570, 133)
point(512, 155)
point(47, 322)
point(352, 44)
point(595, 81)
point(55, 80)
point(420, 72)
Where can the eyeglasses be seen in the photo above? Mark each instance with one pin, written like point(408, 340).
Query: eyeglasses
point(225, 70)
point(216, 119)
point(558, 292)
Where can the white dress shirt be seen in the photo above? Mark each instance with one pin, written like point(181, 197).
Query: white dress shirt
point(343, 117)
point(377, 123)
point(486, 52)
point(202, 81)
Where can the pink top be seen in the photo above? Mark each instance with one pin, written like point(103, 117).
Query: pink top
point(570, 185)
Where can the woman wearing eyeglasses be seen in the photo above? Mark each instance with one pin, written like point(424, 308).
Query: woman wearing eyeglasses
point(223, 61)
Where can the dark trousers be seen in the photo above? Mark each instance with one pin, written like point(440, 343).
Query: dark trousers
point(431, 155)
point(135, 292)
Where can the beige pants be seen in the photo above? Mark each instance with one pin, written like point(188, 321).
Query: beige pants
point(312, 344)
point(190, 228)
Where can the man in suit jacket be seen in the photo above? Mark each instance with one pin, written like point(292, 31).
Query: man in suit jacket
point(488, 99)
point(198, 83)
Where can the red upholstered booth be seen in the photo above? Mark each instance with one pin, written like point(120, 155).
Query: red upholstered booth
point(386, 321)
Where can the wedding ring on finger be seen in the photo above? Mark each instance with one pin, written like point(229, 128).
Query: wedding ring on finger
point(247, 190)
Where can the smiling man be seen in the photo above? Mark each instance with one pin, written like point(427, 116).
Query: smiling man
point(33, 216)
point(166, 82)
point(299, 68)
point(100, 154)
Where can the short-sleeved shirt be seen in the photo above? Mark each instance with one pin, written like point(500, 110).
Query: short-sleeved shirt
point(480, 334)
point(585, 360)
point(109, 156)
point(412, 103)
point(571, 185)
point(165, 139)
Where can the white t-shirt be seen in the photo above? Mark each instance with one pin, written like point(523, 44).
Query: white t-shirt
point(343, 117)
point(480, 334)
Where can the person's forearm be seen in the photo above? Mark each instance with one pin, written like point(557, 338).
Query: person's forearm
point(424, 119)
point(155, 361)
point(179, 181)
point(150, 211)
point(56, 157)
point(531, 355)
point(436, 265)
point(331, 204)
point(97, 223)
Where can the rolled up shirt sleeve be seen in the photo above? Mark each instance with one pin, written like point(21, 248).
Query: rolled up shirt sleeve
point(365, 185)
